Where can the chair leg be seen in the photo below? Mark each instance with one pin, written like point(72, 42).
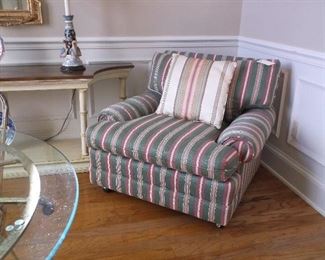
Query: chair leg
point(107, 190)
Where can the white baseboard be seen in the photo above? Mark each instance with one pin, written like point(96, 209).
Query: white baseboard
point(292, 187)
point(295, 176)
point(71, 148)
point(16, 171)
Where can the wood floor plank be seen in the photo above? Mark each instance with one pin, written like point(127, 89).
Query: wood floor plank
point(271, 222)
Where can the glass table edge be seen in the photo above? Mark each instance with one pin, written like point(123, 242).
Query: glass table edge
point(62, 237)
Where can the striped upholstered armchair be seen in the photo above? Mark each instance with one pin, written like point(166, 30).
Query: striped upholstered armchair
point(187, 166)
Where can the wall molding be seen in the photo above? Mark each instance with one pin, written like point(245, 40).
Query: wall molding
point(299, 179)
point(280, 51)
point(45, 50)
point(149, 44)
point(294, 164)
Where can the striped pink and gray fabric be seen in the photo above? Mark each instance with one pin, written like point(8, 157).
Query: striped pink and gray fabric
point(159, 68)
point(249, 132)
point(131, 108)
point(253, 84)
point(187, 166)
point(196, 89)
point(200, 197)
point(169, 142)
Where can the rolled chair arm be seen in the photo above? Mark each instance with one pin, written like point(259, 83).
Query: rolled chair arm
point(249, 132)
point(131, 108)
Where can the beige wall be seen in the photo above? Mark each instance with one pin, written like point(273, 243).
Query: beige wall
point(100, 18)
point(299, 23)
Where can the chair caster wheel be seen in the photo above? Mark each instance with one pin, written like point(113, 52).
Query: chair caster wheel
point(107, 190)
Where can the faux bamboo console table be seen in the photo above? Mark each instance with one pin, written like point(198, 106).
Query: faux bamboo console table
point(49, 77)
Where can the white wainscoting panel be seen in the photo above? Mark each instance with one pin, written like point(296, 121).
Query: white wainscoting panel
point(307, 125)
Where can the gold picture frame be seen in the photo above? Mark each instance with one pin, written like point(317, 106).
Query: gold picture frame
point(33, 15)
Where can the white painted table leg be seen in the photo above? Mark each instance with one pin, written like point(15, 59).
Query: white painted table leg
point(83, 120)
point(122, 88)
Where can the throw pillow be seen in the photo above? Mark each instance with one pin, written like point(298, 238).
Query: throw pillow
point(196, 89)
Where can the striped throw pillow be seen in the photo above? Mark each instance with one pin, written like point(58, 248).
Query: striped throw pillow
point(196, 89)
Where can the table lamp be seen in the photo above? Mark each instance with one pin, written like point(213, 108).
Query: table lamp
point(70, 52)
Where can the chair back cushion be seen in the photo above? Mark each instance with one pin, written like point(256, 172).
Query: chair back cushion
point(253, 84)
point(196, 89)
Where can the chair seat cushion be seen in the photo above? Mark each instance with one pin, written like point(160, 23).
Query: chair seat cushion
point(177, 144)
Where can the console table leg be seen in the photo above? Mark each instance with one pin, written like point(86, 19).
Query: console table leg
point(83, 120)
point(122, 88)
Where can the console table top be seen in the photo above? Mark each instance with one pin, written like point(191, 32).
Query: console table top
point(53, 72)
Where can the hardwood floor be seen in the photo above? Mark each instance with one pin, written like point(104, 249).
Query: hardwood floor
point(270, 223)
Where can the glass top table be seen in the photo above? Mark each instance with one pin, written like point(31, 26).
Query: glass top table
point(38, 199)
